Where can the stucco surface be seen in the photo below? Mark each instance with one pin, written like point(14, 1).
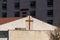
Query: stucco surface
point(3, 38)
point(21, 23)
point(29, 35)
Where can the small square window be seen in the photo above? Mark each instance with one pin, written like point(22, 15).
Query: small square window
point(50, 3)
point(50, 13)
point(50, 21)
point(4, 0)
point(33, 13)
point(20, 28)
point(0, 0)
point(4, 14)
point(50, 0)
point(17, 0)
point(25, 9)
point(17, 14)
point(33, 4)
point(24, 14)
point(4, 6)
point(17, 5)
point(3, 34)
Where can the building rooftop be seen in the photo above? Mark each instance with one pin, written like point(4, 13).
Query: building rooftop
point(24, 23)
point(6, 20)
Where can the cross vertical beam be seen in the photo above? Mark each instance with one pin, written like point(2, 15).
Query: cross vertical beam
point(29, 22)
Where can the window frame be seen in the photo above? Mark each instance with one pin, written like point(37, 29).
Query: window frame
point(50, 13)
point(50, 3)
point(33, 4)
point(17, 5)
point(17, 14)
point(33, 13)
point(4, 14)
point(4, 6)
point(50, 22)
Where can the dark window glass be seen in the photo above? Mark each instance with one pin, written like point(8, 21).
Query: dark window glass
point(0, 0)
point(24, 14)
point(4, 6)
point(4, 14)
point(50, 13)
point(20, 29)
point(16, 0)
point(33, 13)
point(4, 0)
point(24, 9)
point(3, 34)
point(33, 4)
point(50, 21)
point(17, 14)
point(17, 5)
point(50, 3)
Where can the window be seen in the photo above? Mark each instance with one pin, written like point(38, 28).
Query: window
point(24, 14)
point(4, 0)
point(50, 3)
point(4, 14)
point(4, 6)
point(50, 21)
point(25, 9)
point(33, 4)
point(50, 13)
point(0, 0)
point(20, 28)
point(17, 14)
point(16, 0)
point(17, 5)
point(33, 13)
point(3, 34)
point(17, 28)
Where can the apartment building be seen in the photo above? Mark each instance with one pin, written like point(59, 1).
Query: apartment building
point(45, 10)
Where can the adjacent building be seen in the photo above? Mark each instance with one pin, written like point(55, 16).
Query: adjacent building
point(45, 10)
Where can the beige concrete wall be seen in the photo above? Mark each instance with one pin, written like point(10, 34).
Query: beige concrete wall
point(29, 35)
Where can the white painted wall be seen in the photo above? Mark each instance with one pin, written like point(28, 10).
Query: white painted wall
point(21, 23)
point(3, 38)
point(29, 35)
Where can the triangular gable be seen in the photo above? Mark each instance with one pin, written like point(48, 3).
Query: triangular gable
point(21, 23)
point(40, 25)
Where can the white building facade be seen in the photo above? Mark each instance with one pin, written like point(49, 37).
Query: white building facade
point(27, 28)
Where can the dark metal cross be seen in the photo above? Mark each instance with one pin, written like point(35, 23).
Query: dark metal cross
point(29, 20)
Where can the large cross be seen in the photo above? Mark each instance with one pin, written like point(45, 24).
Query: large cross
point(29, 20)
